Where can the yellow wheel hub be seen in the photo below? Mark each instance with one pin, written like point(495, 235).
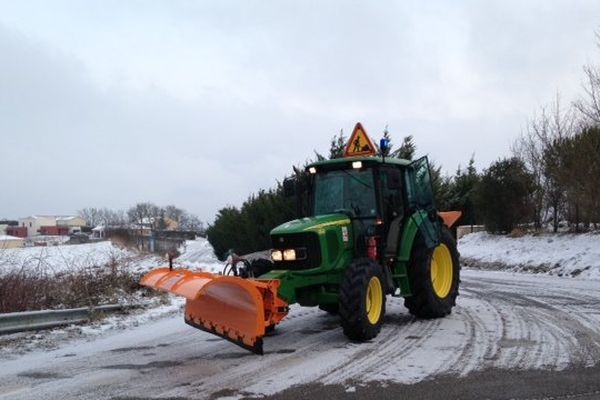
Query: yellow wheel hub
point(442, 271)
point(374, 300)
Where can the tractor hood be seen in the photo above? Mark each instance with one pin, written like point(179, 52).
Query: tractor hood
point(314, 224)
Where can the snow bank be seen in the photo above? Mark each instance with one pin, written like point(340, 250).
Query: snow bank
point(14, 345)
point(555, 254)
point(199, 254)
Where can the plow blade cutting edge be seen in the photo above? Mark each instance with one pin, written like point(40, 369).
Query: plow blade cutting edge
point(236, 309)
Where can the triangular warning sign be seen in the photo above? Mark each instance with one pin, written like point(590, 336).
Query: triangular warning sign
point(359, 143)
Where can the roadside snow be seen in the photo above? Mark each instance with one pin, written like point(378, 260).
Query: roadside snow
point(15, 345)
point(575, 255)
point(199, 254)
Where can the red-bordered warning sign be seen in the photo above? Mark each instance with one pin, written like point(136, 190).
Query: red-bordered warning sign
point(359, 143)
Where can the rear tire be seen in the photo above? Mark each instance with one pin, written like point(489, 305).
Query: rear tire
point(434, 276)
point(362, 300)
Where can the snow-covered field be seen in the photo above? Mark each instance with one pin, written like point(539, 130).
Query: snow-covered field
point(197, 254)
point(555, 254)
point(55, 259)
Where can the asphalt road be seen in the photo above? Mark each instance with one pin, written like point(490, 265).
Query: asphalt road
point(511, 336)
point(493, 384)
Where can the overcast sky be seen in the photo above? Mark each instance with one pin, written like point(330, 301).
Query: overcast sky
point(198, 104)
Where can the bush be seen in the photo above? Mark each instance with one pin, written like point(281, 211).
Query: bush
point(503, 195)
point(38, 289)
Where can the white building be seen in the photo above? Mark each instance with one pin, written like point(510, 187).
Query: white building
point(99, 232)
point(34, 223)
point(73, 222)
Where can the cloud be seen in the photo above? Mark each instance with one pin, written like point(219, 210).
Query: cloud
point(199, 104)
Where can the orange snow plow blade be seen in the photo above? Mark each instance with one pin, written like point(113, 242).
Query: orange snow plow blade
point(233, 308)
point(450, 217)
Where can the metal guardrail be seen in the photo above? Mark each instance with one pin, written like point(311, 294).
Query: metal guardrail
point(45, 319)
point(463, 230)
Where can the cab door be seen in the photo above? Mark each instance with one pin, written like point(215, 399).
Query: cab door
point(419, 189)
point(421, 200)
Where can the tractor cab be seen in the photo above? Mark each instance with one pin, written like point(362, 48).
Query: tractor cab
point(376, 194)
point(369, 191)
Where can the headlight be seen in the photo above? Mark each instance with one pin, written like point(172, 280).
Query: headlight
point(276, 255)
point(289, 255)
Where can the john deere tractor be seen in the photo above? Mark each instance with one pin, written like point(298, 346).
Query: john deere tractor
point(371, 230)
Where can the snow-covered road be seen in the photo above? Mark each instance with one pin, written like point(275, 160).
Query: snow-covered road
point(502, 320)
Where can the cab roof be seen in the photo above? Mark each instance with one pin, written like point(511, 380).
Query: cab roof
point(367, 161)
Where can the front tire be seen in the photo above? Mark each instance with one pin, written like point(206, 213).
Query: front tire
point(434, 276)
point(332, 309)
point(362, 300)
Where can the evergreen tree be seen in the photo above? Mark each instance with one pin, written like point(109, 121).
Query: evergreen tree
point(338, 145)
point(407, 149)
point(439, 186)
point(503, 195)
point(247, 229)
point(462, 192)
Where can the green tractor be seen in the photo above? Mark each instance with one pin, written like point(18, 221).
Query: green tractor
point(371, 230)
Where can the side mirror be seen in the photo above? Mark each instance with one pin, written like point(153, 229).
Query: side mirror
point(394, 179)
point(289, 187)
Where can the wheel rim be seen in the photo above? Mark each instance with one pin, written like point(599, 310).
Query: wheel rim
point(374, 300)
point(441, 271)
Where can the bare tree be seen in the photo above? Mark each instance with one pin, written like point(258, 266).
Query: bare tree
point(175, 213)
point(193, 223)
point(589, 105)
point(140, 216)
point(91, 216)
point(103, 216)
point(114, 218)
point(539, 147)
point(156, 216)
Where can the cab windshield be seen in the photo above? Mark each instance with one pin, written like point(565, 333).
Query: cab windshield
point(348, 191)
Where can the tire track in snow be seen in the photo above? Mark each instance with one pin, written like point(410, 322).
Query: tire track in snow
point(480, 341)
point(399, 338)
point(527, 341)
point(551, 334)
point(298, 340)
